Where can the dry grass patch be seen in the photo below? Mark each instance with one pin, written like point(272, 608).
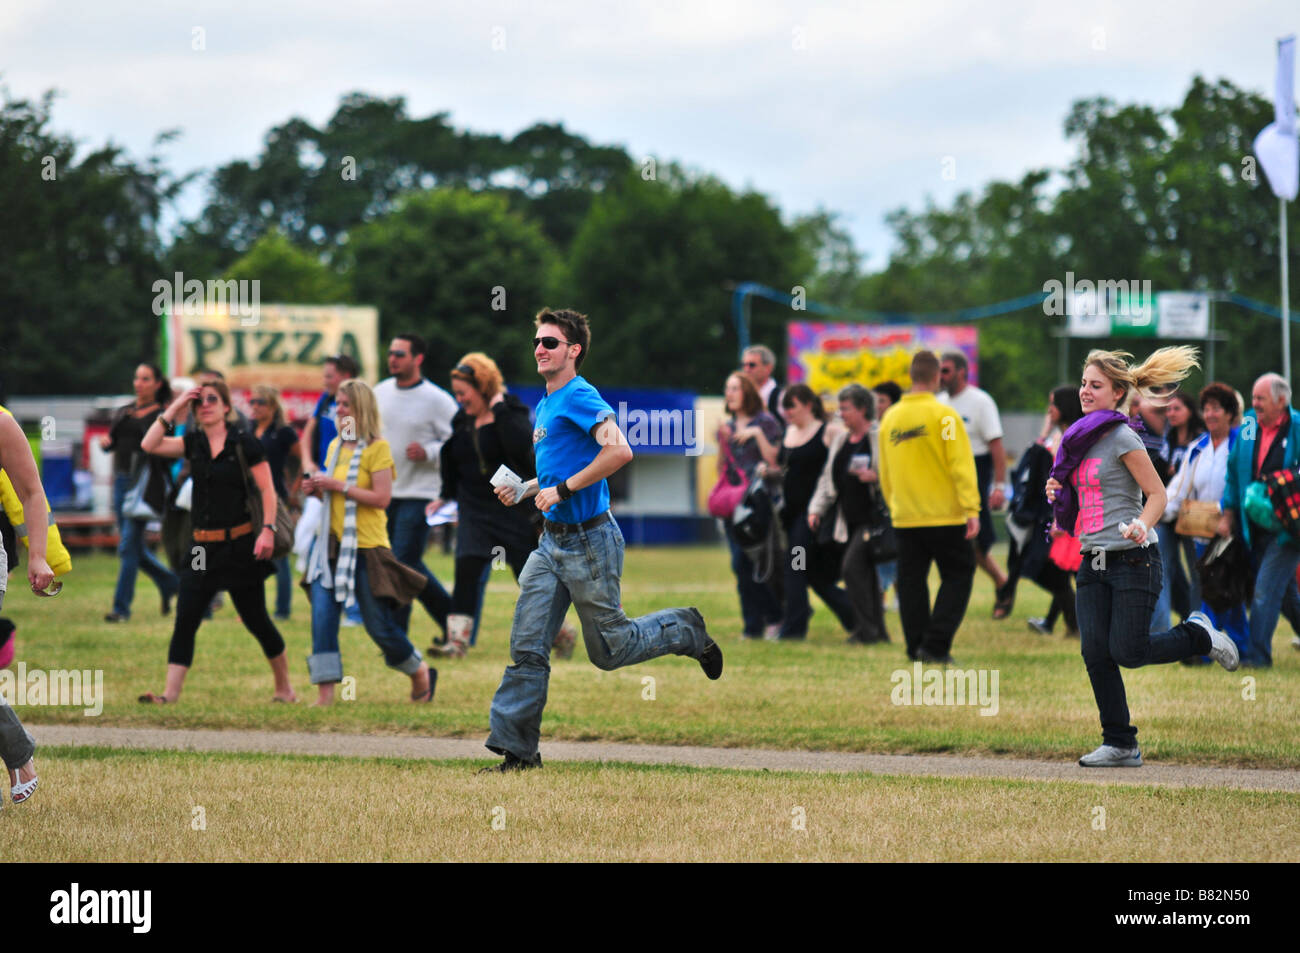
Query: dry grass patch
point(101, 805)
point(818, 695)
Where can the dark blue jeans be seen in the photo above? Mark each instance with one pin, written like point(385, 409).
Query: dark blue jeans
point(408, 531)
point(807, 565)
point(1117, 593)
point(135, 555)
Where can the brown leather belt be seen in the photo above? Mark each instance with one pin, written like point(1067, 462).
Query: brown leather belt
point(221, 535)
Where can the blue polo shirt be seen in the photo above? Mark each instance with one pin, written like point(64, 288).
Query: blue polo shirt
point(563, 445)
point(326, 426)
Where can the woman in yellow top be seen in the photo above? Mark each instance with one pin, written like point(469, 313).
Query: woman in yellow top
point(351, 560)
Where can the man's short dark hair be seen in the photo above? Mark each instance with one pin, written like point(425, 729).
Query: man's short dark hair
point(925, 367)
point(414, 341)
point(344, 364)
point(574, 326)
point(958, 360)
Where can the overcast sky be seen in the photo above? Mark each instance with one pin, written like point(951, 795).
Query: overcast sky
point(853, 107)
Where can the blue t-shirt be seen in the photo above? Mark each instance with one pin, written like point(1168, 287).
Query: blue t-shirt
point(326, 426)
point(563, 444)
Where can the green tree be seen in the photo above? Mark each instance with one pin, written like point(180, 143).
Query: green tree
point(653, 265)
point(462, 270)
point(79, 252)
point(288, 274)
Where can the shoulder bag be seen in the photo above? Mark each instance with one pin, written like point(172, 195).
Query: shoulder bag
point(727, 493)
point(283, 521)
point(1199, 518)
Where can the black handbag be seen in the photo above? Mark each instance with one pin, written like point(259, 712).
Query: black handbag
point(882, 541)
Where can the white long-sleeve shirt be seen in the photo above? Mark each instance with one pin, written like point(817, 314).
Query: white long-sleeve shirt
point(1202, 475)
point(420, 414)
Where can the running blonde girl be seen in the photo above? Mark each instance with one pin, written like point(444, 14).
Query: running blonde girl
point(1102, 459)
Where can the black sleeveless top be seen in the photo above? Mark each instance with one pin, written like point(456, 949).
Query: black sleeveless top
point(803, 465)
point(854, 496)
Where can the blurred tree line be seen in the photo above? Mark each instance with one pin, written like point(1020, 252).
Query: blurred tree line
point(463, 236)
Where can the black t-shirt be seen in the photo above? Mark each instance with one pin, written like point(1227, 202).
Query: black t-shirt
point(220, 496)
point(126, 433)
point(276, 442)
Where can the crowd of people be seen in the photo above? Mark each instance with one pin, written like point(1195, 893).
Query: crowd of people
point(909, 480)
point(1132, 489)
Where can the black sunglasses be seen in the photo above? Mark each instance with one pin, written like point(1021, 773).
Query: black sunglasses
point(397, 354)
point(549, 343)
point(207, 399)
point(468, 372)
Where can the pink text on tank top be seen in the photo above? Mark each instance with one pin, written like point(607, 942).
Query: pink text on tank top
point(1091, 514)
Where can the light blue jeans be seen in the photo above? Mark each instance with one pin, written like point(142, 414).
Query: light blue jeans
point(1274, 581)
point(585, 568)
point(325, 664)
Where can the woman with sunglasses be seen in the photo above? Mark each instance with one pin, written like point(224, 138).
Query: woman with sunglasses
point(280, 442)
point(152, 391)
point(16, 745)
point(227, 552)
point(351, 561)
point(492, 429)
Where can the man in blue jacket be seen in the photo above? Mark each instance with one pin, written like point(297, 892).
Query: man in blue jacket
point(1269, 441)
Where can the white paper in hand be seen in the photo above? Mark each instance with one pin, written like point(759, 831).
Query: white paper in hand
point(507, 477)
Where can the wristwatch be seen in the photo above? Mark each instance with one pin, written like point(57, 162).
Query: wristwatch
point(562, 488)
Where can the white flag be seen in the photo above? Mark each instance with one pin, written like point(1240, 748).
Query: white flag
point(1276, 146)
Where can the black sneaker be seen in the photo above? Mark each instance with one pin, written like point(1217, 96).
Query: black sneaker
point(923, 656)
point(511, 763)
point(711, 658)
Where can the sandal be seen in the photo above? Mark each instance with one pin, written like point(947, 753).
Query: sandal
point(20, 792)
point(1003, 604)
point(433, 684)
point(149, 698)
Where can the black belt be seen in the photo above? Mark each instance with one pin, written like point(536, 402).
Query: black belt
point(566, 529)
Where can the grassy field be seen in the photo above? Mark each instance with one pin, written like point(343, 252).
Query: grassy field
point(97, 805)
point(821, 694)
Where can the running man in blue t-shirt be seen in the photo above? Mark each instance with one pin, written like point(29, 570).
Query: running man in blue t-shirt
point(580, 556)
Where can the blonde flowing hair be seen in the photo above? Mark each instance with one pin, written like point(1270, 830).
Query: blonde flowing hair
point(365, 409)
point(1156, 379)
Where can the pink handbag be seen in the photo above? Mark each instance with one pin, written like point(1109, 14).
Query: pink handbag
point(725, 495)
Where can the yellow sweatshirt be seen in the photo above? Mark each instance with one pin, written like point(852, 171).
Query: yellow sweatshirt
point(927, 470)
point(56, 554)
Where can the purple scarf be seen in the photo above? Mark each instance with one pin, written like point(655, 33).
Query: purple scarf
point(1076, 442)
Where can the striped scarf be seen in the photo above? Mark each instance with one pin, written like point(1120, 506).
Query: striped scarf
point(343, 583)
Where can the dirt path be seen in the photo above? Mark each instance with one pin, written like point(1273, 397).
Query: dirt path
point(753, 759)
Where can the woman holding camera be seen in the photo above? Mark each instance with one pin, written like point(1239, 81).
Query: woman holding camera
point(227, 551)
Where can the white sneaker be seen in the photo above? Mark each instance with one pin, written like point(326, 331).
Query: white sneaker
point(1108, 756)
point(1222, 649)
point(1295, 643)
point(772, 633)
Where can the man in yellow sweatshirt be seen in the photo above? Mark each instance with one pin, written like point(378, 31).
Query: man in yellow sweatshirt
point(927, 475)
